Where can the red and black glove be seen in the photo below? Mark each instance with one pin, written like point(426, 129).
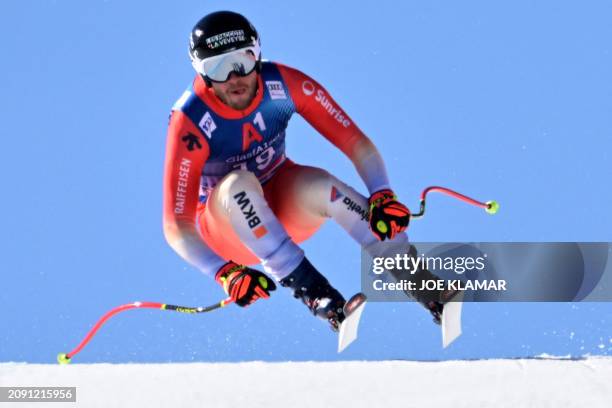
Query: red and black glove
point(388, 216)
point(244, 285)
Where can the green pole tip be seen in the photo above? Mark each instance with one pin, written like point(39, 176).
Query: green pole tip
point(62, 358)
point(492, 207)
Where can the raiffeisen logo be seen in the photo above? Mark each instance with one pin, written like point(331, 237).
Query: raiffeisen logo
point(308, 88)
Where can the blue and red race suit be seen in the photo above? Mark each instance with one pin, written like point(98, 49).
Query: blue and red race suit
point(207, 140)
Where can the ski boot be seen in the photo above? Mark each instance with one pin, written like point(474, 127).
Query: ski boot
point(316, 293)
point(436, 307)
point(432, 300)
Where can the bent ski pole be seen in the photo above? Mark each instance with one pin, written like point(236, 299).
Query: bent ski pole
point(64, 358)
point(490, 206)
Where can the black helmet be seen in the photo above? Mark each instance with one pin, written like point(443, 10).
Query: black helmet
point(220, 33)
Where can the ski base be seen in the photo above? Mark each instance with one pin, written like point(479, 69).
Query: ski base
point(348, 329)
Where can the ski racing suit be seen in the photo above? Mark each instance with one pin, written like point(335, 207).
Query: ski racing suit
point(231, 193)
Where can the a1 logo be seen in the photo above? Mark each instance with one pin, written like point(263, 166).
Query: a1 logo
point(250, 134)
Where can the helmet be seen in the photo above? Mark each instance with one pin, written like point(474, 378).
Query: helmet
point(222, 43)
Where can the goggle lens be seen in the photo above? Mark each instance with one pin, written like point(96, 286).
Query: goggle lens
point(219, 68)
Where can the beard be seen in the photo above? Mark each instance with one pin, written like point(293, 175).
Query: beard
point(240, 101)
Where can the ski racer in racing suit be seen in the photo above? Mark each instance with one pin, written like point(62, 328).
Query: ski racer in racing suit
point(231, 196)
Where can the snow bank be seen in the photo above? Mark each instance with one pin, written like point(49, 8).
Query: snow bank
point(479, 383)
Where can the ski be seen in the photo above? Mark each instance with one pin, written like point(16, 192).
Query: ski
point(348, 328)
point(451, 320)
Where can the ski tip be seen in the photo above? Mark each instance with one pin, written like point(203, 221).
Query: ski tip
point(451, 320)
point(349, 327)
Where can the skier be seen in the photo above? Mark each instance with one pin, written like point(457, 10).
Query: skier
point(232, 198)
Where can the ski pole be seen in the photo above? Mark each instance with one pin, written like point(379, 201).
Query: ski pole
point(64, 358)
point(490, 206)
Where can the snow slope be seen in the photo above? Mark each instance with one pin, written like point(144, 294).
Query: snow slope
point(480, 383)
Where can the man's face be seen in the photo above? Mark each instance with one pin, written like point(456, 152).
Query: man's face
point(237, 92)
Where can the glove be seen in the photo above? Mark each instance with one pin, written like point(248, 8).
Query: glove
point(244, 285)
point(388, 216)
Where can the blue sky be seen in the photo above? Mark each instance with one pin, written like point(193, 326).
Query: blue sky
point(508, 101)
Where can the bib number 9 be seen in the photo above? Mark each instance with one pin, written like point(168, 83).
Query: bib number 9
point(263, 160)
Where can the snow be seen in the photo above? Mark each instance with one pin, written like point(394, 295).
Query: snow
point(538, 382)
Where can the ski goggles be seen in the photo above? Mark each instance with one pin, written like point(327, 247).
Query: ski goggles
point(219, 68)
